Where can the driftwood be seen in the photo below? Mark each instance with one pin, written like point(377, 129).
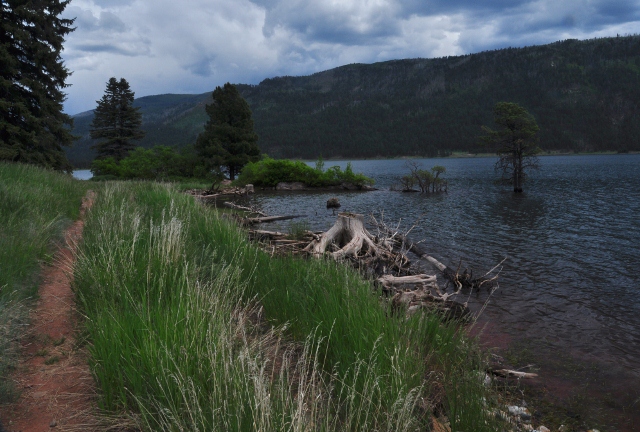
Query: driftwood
point(243, 208)
point(459, 280)
point(258, 220)
point(383, 257)
point(213, 195)
point(508, 373)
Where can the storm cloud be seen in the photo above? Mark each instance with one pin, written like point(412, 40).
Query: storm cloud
point(164, 46)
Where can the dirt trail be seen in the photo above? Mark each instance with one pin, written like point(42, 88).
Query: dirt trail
point(57, 390)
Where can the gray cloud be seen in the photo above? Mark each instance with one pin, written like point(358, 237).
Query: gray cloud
point(166, 46)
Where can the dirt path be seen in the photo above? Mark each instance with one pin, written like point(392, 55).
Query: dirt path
point(57, 390)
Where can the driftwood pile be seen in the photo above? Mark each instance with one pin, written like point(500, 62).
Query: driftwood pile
point(384, 258)
point(214, 195)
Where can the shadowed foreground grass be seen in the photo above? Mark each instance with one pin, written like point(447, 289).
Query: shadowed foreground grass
point(193, 328)
point(35, 207)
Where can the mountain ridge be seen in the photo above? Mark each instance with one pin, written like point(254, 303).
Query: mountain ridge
point(585, 96)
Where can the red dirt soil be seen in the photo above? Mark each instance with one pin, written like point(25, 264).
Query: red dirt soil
point(57, 390)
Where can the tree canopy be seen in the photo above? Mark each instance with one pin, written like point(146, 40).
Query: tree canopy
point(116, 122)
point(33, 127)
point(228, 141)
point(515, 141)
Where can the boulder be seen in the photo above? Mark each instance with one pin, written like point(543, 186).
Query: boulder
point(291, 186)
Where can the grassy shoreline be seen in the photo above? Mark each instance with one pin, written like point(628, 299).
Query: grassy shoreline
point(192, 327)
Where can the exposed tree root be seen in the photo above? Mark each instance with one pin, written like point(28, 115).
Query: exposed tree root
point(383, 258)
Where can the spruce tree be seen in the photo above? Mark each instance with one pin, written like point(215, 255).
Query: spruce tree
point(116, 121)
point(33, 128)
point(228, 142)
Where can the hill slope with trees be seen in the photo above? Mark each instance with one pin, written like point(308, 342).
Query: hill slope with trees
point(584, 95)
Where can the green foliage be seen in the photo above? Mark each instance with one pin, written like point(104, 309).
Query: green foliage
point(515, 141)
point(270, 172)
point(35, 206)
point(158, 163)
point(228, 141)
point(165, 284)
point(33, 127)
point(116, 121)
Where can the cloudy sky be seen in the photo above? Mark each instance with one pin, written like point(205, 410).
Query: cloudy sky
point(190, 46)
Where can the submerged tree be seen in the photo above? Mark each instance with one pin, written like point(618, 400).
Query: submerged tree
point(427, 181)
point(228, 141)
point(116, 121)
point(33, 127)
point(514, 141)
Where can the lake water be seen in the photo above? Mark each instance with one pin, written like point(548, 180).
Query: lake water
point(82, 174)
point(569, 292)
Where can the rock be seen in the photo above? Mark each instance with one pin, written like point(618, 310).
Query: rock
point(351, 186)
point(543, 429)
point(291, 186)
point(333, 203)
point(249, 189)
point(53, 424)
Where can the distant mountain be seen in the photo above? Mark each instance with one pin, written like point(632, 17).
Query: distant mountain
point(585, 96)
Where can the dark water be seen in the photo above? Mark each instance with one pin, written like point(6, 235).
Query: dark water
point(570, 286)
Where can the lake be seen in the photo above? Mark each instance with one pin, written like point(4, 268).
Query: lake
point(84, 174)
point(569, 291)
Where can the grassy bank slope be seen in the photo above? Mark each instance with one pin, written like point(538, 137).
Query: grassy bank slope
point(35, 207)
point(193, 328)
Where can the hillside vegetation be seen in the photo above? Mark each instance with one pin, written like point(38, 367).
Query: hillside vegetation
point(585, 95)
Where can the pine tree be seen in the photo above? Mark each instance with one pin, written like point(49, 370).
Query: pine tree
point(116, 121)
point(515, 142)
point(33, 128)
point(228, 142)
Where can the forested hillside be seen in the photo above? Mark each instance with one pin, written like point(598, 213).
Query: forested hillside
point(585, 95)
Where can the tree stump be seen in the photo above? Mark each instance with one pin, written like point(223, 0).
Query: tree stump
point(333, 203)
point(351, 238)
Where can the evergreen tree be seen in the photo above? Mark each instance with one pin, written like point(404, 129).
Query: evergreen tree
point(515, 142)
point(33, 127)
point(116, 121)
point(228, 142)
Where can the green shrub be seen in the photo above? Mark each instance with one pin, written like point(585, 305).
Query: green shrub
point(270, 172)
point(157, 163)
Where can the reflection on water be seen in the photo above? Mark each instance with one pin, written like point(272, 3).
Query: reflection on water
point(572, 242)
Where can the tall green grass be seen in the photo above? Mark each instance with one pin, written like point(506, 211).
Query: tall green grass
point(35, 206)
point(194, 328)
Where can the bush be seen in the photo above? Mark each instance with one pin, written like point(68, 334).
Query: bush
point(157, 163)
point(270, 172)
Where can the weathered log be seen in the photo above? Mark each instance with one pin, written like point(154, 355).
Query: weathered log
point(243, 208)
point(460, 280)
point(391, 282)
point(257, 220)
point(508, 373)
point(266, 233)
